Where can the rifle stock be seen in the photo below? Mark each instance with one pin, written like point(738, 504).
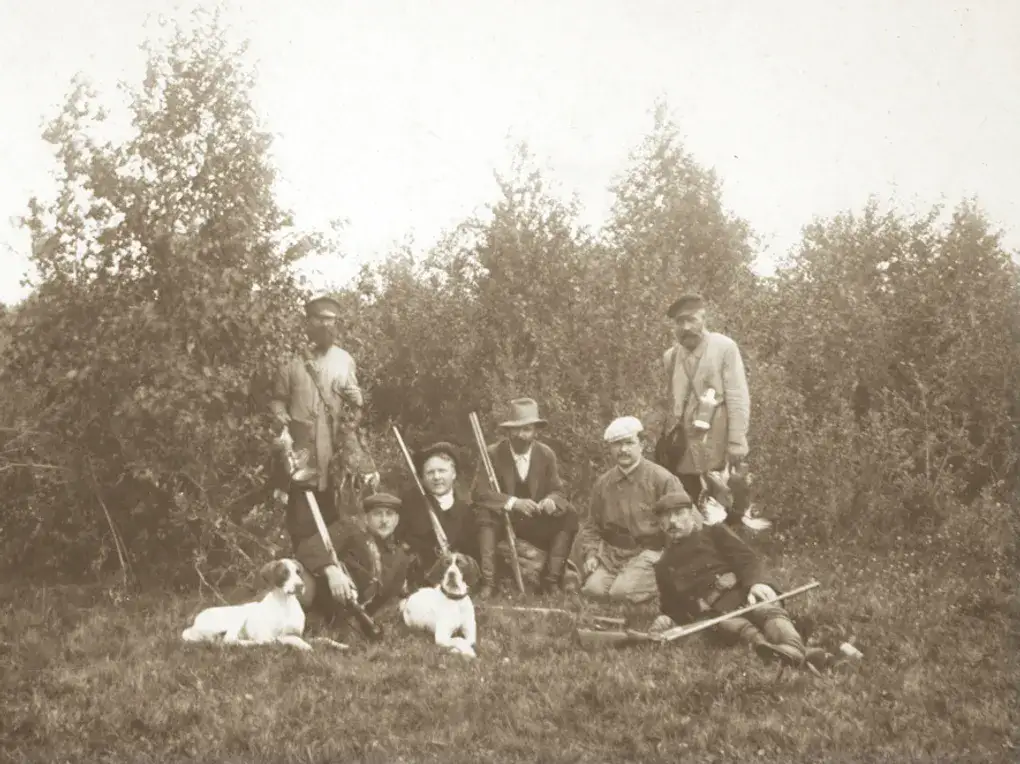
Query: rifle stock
point(508, 526)
point(370, 627)
point(437, 527)
point(595, 638)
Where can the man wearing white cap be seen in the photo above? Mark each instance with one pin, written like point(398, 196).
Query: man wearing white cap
point(622, 539)
point(317, 397)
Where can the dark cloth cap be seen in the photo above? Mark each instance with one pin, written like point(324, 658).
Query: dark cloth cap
point(324, 306)
point(687, 303)
point(380, 500)
point(442, 447)
point(672, 500)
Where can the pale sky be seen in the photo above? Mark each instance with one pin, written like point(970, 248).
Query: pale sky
point(394, 114)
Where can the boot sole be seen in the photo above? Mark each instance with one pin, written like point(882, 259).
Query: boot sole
point(788, 657)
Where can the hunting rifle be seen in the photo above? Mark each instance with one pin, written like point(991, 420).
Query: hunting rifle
point(437, 527)
point(508, 525)
point(624, 638)
point(304, 476)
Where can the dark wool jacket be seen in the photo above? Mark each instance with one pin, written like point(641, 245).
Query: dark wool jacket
point(689, 567)
point(543, 478)
point(379, 579)
point(415, 528)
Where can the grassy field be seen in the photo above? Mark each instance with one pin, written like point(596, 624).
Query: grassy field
point(90, 676)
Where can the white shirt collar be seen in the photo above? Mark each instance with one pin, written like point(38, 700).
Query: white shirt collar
point(445, 501)
point(522, 462)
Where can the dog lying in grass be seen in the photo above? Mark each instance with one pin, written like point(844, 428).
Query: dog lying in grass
point(276, 618)
point(445, 608)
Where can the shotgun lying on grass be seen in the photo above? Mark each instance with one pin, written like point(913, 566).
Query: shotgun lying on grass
point(595, 638)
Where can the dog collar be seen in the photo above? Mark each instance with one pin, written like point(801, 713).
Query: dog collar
point(450, 596)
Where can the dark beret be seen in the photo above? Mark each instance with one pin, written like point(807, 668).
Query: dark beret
point(672, 500)
point(324, 306)
point(442, 447)
point(377, 500)
point(685, 303)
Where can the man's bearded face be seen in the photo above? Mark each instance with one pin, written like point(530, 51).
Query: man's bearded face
point(522, 437)
point(689, 327)
point(322, 331)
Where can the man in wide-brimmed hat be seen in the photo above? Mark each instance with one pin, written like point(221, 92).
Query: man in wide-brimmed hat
point(437, 466)
point(316, 396)
point(531, 490)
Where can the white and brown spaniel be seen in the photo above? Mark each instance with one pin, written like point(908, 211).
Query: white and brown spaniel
point(445, 609)
point(276, 618)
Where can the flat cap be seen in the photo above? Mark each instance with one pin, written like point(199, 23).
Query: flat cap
point(377, 500)
point(675, 499)
point(443, 447)
point(323, 307)
point(686, 303)
point(622, 427)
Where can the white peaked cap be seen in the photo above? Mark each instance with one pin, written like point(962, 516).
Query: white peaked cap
point(622, 427)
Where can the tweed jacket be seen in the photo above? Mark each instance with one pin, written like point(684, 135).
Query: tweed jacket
point(689, 567)
point(716, 363)
point(543, 478)
point(295, 392)
point(378, 566)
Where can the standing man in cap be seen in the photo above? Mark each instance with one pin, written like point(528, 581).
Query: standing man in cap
point(317, 397)
point(622, 539)
point(531, 490)
point(707, 405)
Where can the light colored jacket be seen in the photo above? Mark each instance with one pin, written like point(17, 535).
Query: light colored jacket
point(294, 391)
point(716, 363)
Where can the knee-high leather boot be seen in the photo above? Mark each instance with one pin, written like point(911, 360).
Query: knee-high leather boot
point(559, 551)
point(487, 563)
point(783, 640)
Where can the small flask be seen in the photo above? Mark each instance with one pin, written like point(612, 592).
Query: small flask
point(850, 651)
point(706, 408)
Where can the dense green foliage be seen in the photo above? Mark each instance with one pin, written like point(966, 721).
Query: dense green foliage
point(883, 357)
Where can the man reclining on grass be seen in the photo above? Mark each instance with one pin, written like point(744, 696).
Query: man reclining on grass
point(706, 571)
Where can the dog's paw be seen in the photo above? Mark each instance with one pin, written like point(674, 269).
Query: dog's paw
point(461, 646)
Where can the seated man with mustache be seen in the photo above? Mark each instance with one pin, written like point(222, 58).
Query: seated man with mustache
point(621, 541)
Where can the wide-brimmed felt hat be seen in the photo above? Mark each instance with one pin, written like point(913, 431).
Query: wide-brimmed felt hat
point(323, 307)
point(687, 303)
point(523, 411)
point(440, 447)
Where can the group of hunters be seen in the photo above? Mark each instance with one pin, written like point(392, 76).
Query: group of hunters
point(645, 538)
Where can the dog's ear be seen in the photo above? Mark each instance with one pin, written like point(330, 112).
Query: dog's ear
point(435, 574)
point(469, 570)
point(274, 573)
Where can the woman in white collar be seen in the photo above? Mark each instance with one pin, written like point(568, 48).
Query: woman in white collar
point(437, 468)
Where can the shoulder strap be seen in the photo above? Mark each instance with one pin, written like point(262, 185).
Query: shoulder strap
point(310, 368)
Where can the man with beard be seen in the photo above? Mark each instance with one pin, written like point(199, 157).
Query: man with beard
point(531, 490)
point(316, 396)
point(707, 405)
